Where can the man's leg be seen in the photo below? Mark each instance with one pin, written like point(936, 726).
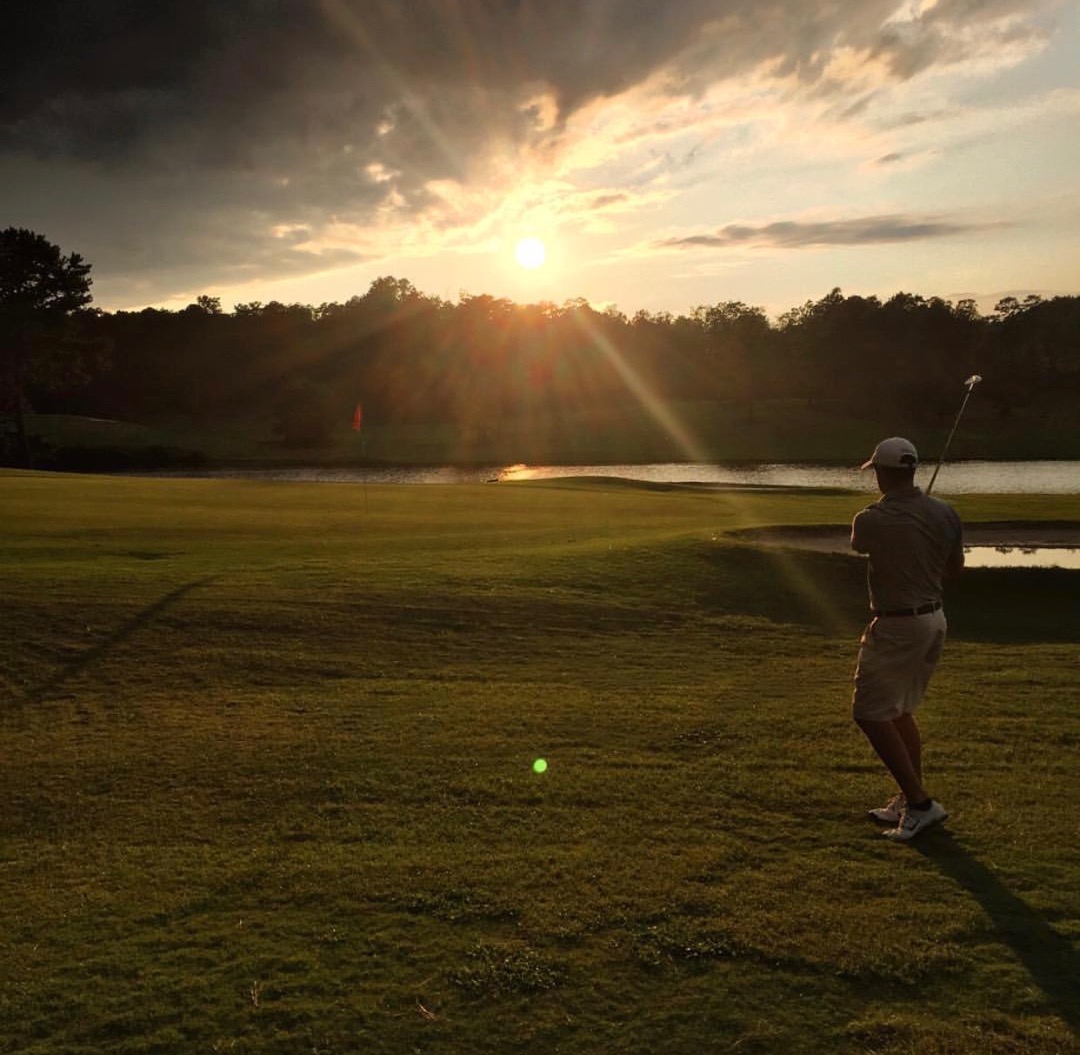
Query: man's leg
point(884, 687)
point(891, 746)
point(908, 729)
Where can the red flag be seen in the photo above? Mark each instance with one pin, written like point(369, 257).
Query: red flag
point(357, 418)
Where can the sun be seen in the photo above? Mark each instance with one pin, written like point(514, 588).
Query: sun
point(530, 253)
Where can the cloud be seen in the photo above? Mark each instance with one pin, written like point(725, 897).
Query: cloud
point(422, 86)
point(202, 128)
point(792, 234)
point(952, 31)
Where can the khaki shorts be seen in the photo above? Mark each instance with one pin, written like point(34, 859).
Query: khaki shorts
point(897, 656)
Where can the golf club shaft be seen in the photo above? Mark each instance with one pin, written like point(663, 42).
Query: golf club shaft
point(971, 383)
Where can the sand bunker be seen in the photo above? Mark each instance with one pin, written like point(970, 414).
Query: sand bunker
point(836, 538)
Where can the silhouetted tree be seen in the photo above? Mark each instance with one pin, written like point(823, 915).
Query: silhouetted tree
point(40, 291)
point(210, 305)
point(738, 346)
point(1034, 352)
point(537, 379)
point(306, 415)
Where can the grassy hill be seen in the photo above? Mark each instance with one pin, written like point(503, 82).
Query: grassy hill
point(780, 431)
point(268, 781)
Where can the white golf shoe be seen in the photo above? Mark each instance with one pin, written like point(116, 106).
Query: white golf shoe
point(891, 812)
point(914, 821)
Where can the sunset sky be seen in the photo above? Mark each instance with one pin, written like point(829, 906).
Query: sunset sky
point(666, 153)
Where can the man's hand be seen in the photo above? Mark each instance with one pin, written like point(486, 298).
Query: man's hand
point(955, 564)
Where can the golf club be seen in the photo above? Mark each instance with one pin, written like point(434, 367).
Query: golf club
point(970, 384)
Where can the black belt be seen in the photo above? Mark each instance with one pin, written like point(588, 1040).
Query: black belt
point(924, 609)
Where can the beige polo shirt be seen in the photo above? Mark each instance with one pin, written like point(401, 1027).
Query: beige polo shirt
point(910, 538)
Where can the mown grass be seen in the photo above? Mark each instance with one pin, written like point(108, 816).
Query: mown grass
point(268, 787)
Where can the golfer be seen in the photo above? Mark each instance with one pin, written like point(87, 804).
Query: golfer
point(913, 542)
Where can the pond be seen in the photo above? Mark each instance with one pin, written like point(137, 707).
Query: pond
point(976, 477)
point(1022, 557)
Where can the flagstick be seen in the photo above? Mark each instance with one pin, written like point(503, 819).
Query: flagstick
point(358, 427)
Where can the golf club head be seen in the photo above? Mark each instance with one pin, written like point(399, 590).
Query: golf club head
point(972, 381)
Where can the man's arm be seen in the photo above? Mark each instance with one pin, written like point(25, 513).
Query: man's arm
point(860, 532)
point(954, 565)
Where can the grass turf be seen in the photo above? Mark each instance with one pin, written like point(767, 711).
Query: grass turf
point(268, 781)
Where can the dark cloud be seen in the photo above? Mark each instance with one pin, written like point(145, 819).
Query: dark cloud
point(119, 81)
point(602, 201)
point(237, 84)
point(245, 114)
point(790, 234)
point(909, 120)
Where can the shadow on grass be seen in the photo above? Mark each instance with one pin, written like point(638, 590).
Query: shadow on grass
point(825, 591)
point(88, 658)
point(1050, 958)
point(1014, 605)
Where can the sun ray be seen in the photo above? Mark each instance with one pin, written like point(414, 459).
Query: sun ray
point(653, 405)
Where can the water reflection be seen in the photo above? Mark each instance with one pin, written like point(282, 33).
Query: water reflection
point(976, 477)
point(990, 545)
point(1043, 477)
point(1022, 557)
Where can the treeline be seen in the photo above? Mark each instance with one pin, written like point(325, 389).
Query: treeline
point(411, 358)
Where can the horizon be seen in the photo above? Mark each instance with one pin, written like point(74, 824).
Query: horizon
point(987, 310)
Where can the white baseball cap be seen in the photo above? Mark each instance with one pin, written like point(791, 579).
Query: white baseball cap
point(893, 453)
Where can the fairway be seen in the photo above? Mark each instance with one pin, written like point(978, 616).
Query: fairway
point(272, 779)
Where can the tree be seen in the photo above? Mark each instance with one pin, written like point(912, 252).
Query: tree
point(306, 415)
point(208, 305)
point(40, 291)
point(738, 339)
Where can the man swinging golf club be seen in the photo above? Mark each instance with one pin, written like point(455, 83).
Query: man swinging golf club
point(914, 542)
